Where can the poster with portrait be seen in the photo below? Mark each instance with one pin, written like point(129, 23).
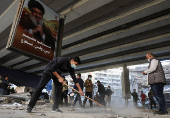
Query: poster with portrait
point(34, 30)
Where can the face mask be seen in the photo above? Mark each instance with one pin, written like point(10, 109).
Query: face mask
point(148, 60)
point(89, 78)
point(73, 65)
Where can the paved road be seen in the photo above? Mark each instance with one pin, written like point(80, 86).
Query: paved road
point(44, 111)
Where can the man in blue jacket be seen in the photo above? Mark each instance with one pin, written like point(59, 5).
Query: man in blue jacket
point(53, 70)
point(81, 83)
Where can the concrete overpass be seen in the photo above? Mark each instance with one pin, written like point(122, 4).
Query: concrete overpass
point(104, 33)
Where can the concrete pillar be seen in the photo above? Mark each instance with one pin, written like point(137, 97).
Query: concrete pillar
point(125, 84)
point(58, 48)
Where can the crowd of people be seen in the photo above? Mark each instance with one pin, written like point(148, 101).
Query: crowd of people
point(104, 95)
point(156, 80)
point(143, 99)
point(155, 75)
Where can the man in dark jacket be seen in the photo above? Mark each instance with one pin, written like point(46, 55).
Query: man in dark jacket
point(135, 97)
point(88, 91)
point(5, 85)
point(81, 83)
point(53, 70)
point(108, 93)
point(102, 92)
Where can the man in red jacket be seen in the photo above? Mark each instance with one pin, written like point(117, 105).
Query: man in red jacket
point(143, 96)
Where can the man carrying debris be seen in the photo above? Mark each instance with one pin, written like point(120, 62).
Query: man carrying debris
point(53, 70)
point(89, 89)
point(81, 83)
point(135, 97)
point(157, 80)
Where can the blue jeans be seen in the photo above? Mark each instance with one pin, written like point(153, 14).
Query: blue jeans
point(158, 94)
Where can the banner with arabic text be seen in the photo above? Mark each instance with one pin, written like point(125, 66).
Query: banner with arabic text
point(34, 29)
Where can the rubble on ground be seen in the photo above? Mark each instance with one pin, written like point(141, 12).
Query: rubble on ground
point(44, 111)
point(14, 105)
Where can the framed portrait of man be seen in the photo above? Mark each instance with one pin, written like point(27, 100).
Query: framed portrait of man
point(34, 30)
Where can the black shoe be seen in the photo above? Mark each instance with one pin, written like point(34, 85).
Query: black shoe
point(28, 109)
point(91, 106)
point(57, 110)
point(161, 113)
